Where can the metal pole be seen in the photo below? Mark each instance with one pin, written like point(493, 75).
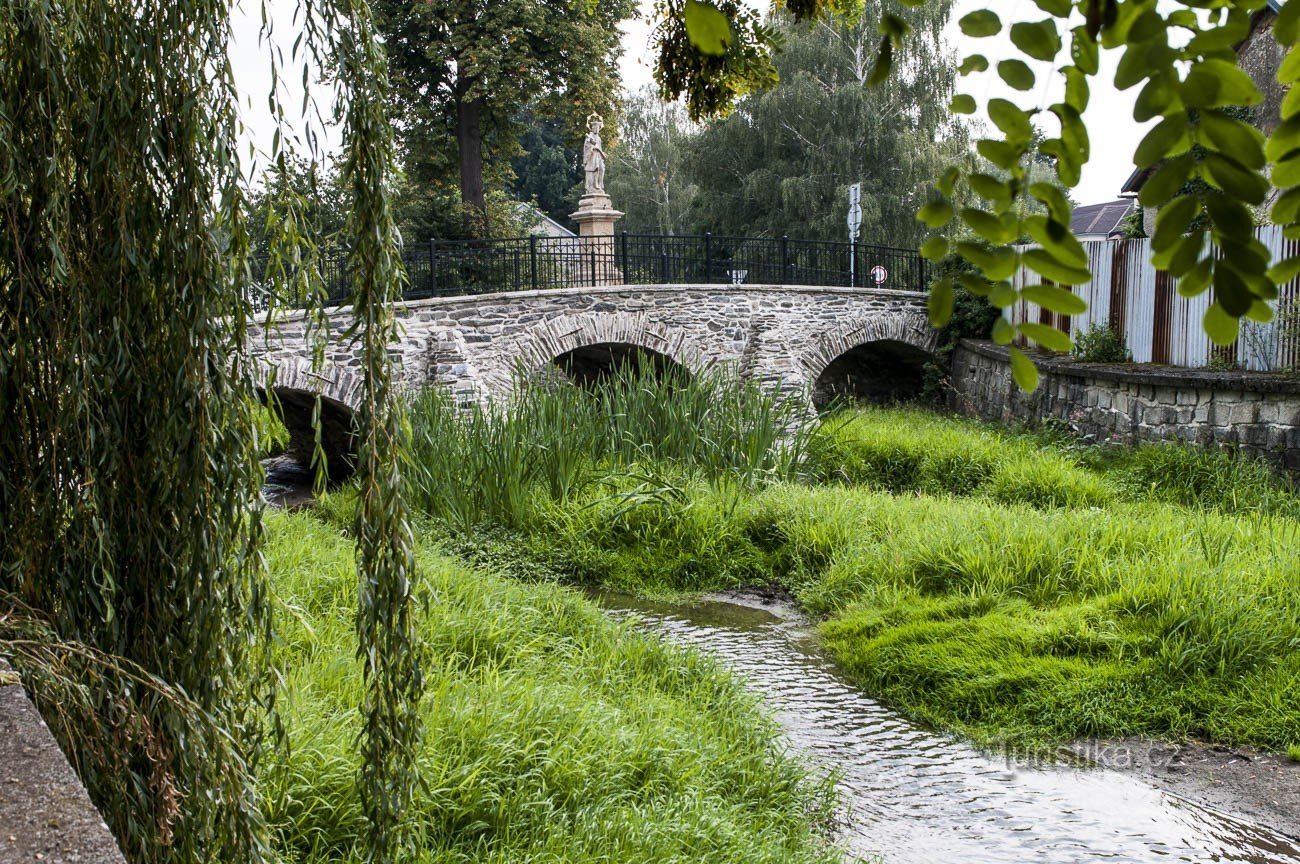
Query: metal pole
point(433, 266)
point(785, 259)
point(532, 261)
point(626, 266)
point(708, 257)
point(853, 261)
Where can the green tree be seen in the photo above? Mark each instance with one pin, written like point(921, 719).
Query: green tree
point(463, 69)
point(647, 172)
point(129, 480)
point(547, 170)
point(783, 161)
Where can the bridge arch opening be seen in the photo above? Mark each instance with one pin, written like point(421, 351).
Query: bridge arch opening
point(590, 366)
point(296, 409)
point(879, 372)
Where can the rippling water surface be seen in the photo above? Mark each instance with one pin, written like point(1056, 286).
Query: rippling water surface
point(916, 796)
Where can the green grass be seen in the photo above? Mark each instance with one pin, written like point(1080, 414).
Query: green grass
point(552, 734)
point(1008, 586)
point(1293, 752)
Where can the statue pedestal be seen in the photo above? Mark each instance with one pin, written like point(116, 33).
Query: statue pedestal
point(596, 265)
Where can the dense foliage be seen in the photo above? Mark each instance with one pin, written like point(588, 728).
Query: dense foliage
point(1018, 589)
point(782, 161)
point(463, 71)
point(129, 491)
point(556, 736)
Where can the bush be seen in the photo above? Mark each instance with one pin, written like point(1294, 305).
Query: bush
point(1101, 344)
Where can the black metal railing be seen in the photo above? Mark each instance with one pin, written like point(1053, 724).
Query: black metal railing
point(442, 268)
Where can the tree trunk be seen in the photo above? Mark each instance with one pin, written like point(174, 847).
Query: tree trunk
point(469, 144)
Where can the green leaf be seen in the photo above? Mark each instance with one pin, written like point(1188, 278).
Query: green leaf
point(980, 23)
point(1057, 239)
point(1013, 121)
point(1076, 89)
point(707, 28)
point(948, 180)
point(1158, 96)
point(1059, 8)
point(1023, 371)
point(1017, 74)
point(1166, 181)
point(1211, 83)
point(934, 249)
point(1284, 141)
point(1047, 266)
point(1000, 153)
point(1286, 209)
point(936, 214)
point(940, 302)
point(973, 63)
point(990, 188)
point(1003, 332)
point(987, 225)
point(962, 103)
point(1287, 173)
point(1221, 327)
point(1287, 26)
point(1234, 178)
point(1288, 71)
point(1172, 221)
point(1165, 138)
point(1052, 195)
point(1234, 138)
point(996, 263)
point(1260, 312)
point(1003, 294)
point(1049, 337)
point(1194, 282)
point(1084, 52)
point(1039, 39)
point(884, 63)
point(1285, 270)
point(1055, 298)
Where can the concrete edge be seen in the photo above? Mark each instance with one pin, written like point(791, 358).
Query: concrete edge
point(46, 814)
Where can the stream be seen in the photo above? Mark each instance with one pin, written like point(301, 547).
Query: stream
point(912, 795)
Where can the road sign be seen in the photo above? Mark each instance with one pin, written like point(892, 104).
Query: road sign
point(855, 211)
point(878, 275)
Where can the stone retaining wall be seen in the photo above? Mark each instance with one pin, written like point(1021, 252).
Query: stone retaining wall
point(1258, 413)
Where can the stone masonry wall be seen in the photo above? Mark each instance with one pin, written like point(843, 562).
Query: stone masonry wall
point(784, 336)
point(1258, 413)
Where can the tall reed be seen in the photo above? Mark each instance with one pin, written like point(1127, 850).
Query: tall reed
point(494, 463)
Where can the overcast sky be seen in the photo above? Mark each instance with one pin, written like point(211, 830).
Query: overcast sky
point(1113, 133)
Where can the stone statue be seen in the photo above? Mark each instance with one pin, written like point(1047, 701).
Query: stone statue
point(593, 156)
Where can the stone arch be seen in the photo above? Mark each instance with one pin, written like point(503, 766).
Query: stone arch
point(566, 334)
point(294, 387)
point(878, 359)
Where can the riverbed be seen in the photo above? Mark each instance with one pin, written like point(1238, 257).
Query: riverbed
point(913, 795)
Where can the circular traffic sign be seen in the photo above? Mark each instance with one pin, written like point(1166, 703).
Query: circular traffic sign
point(878, 274)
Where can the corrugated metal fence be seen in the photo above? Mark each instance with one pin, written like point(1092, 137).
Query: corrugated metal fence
point(1143, 306)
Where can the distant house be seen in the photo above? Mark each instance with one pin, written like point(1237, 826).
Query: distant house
point(1101, 221)
point(539, 223)
point(1258, 55)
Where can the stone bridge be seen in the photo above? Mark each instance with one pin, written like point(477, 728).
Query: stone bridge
point(869, 343)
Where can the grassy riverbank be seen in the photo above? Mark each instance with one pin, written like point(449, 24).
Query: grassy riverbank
point(1009, 587)
point(552, 733)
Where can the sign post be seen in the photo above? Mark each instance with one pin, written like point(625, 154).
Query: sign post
point(855, 224)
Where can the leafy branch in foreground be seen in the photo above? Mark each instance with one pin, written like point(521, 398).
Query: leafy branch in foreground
point(1185, 59)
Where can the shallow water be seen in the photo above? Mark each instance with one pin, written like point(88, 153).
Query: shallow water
point(911, 795)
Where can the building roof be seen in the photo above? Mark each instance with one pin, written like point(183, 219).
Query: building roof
point(1100, 218)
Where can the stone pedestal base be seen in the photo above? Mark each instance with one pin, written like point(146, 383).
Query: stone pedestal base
point(596, 265)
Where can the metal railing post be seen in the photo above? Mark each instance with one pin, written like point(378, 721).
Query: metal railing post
point(785, 259)
point(593, 266)
point(853, 264)
point(708, 257)
point(532, 261)
point(433, 266)
point(627, 267)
